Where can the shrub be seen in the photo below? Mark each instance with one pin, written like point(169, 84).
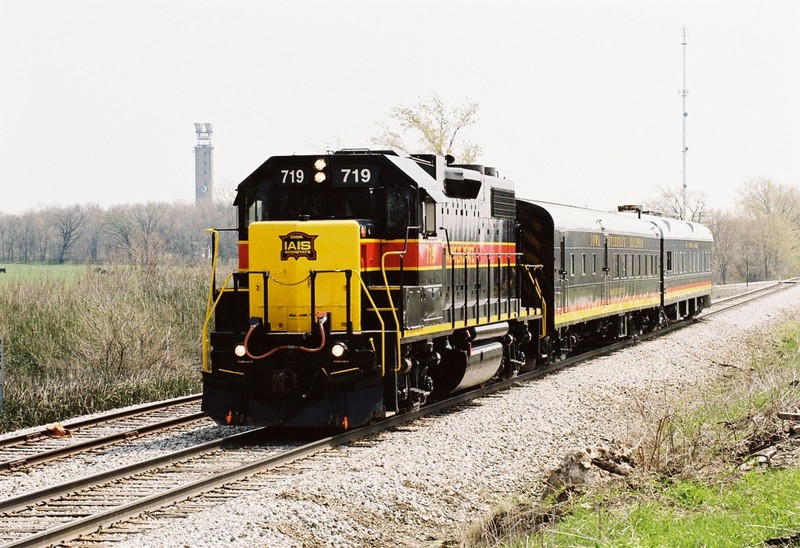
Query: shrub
point(101, 340)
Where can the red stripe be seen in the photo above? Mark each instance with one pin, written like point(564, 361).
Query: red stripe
point(428, 254)
point(244, 255)
point(611, 302)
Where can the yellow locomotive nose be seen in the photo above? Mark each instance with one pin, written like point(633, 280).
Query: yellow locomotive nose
point(298, 268)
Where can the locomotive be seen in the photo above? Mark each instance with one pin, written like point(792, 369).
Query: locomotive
point(371, 282)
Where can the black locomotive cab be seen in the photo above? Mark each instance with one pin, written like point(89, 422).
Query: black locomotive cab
point(367, 188)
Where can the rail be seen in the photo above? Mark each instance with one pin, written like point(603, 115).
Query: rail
point(178, 492)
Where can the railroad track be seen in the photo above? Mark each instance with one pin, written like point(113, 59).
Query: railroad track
point(740, 299)
point(96, 508)
point(74, 437)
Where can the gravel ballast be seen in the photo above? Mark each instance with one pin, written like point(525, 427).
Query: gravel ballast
point(429, 481)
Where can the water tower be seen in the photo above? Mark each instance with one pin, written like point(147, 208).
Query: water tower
point(203, 163)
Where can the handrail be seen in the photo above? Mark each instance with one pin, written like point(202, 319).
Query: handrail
point(209, 314)
point(538, 292)
point(391, 301)
point(478, 254)
point(213, 305)
point(380, 319)
point(215, 249)
point(348, 273)
point(210, 304)
point(389, 293)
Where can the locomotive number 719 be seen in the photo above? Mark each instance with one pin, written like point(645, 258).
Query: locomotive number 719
point(358, 175)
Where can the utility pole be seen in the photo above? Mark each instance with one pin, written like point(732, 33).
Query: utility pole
point(684, 92)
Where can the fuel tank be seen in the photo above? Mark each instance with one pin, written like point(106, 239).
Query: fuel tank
point(462, 369)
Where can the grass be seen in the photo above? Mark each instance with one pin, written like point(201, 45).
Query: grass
point(742, 511)
point(16, 272)
point(82, 341)
point(695, 482)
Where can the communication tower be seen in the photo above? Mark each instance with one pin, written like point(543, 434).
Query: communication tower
point(203, 163)
point(684, 149)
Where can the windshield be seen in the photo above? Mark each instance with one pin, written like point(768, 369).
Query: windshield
point(336, 204)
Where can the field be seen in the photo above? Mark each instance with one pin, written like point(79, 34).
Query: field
point(18, 272)
point(81, 339)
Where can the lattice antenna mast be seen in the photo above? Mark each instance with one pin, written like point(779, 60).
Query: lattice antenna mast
point(684, 92)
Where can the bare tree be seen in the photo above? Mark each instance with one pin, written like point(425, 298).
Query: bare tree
point(436, 127)
point(726, 229)
point(68, 224)
point(670, 203)
point(5, 238)
point(119, 228)
point(92, 235)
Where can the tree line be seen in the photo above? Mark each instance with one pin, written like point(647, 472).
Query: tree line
point(757, 240)
point(139, 234)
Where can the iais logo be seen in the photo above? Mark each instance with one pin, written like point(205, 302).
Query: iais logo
point(298, 244)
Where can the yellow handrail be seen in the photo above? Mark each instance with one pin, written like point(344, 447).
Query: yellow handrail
point(383, 326)
point(391, 301)
point(209, 315)
point(213, 305)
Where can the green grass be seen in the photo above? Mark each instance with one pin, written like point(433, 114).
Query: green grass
point(745, 511)
point(21, 272)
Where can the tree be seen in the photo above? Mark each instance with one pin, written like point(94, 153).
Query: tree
point(138, 233)
point(772, 211)
point(726, 229)
point(764, 197)
point(69, 223)
point(436, 127)
point(670, 204)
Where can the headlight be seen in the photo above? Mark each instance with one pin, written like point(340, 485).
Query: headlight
point(319, 177)
point(239, 350)
point(338, 350)
point(320, 164)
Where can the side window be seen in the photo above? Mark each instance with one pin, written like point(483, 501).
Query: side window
point(571, 264)
point(594, 263)
point(583, 264)
point(429, 211)
point(669, 261)
point(398, 211)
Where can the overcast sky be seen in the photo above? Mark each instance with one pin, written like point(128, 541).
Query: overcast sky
point(579, 100)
